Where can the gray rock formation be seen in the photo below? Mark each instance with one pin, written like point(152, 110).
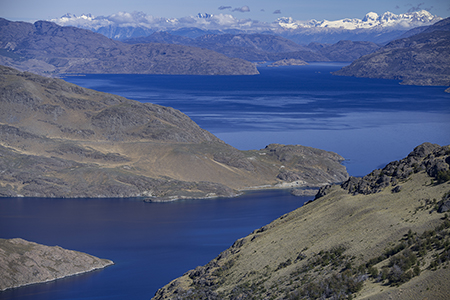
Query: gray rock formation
point(23, 263)
point(432, 158)
point(444, 206)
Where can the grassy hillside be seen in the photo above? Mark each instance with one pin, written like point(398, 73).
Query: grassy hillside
point(60, 140)
point(388, 242)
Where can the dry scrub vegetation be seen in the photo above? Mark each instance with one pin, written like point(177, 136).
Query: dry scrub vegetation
point(378, 245)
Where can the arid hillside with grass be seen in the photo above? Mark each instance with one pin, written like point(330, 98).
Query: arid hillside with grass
point(383, 236)
point(60, 140)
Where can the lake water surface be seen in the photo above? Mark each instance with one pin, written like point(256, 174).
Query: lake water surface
point(369, 122)
point(150, 243)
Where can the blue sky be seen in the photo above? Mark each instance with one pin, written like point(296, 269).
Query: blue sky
point(262, 10)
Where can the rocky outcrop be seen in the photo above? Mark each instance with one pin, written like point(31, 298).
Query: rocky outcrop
point(431, 158)
point(23, 263)
point(421, 59)
point(61, 140)
point(46, 48)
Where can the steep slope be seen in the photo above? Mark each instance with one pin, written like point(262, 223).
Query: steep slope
point(23, 263)
point(61, 140)
point(391, 242)
point(421, 59)
point(46, 48)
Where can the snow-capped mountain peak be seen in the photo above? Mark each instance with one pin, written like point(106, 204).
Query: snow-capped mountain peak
point(123, 25)
point(370, 20)
point(370, 17)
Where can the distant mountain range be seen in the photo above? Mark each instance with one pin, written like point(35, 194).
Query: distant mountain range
point(47, 48)
point(370, 20)
point(265, 47)
point(420, 59)
point(373, 27)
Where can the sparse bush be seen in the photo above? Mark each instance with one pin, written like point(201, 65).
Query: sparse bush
point(443, 176)
point(373, 272)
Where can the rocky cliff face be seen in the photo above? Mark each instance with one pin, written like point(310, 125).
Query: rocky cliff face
point(421, 59)
point(61, 140)
point(23, 263)
point(46, 48)
point(388, 243)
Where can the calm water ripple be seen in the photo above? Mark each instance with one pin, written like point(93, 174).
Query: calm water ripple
point(368, 121)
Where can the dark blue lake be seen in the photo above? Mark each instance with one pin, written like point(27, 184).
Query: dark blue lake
point(151, 243)
point(370, 122)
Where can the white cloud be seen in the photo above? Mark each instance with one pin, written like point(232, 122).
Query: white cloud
point(227, 21)
point(242, 9)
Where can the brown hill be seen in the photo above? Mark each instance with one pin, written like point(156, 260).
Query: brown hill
point(46, 48)
point(384, 236)
point(61, 140)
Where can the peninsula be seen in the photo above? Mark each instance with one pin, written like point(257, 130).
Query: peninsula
point(23, 263)
point(60, 140)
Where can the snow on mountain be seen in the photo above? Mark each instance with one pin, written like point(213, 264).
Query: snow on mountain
point(370, 20)
point(140, 19)
point(125, 25)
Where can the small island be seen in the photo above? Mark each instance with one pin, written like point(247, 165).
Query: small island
point(288, 62)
